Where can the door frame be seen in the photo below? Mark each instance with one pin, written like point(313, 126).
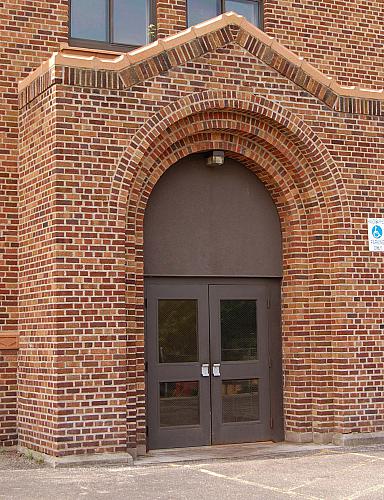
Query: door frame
point(273, 291)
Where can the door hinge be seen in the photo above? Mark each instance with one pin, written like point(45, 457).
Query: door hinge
point(146, 366)
point(269, 362)
point(271, 423)
point(146, 430)
point(268, 302)
point(145, 303)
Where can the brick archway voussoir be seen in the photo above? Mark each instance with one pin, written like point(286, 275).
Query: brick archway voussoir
point(268, 168)
point(273, 143)
point(247, 103)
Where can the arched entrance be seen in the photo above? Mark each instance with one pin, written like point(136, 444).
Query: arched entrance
point(213, 265)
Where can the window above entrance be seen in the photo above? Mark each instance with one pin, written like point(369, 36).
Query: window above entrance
point(111, 24)
point(201, 10)
point(123, 25)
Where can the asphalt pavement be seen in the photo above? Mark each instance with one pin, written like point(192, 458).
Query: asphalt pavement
point(328, 473)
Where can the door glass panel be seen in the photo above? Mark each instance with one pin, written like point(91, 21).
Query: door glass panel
point(238, 330)
point(130, 21)
point(177, 324)
point(201, 10)
point(248, 9)
point(89, 19)
point(240, 400)
point(179, 403)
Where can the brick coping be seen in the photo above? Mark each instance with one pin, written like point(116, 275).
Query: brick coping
point(107, 69)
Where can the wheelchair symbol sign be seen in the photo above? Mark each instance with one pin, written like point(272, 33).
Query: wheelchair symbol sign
point(376, 235)
point(377, 232)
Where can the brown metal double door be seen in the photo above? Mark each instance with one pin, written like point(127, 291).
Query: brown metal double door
point(208, 363)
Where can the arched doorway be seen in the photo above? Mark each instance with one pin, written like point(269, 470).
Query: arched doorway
point(213, 265)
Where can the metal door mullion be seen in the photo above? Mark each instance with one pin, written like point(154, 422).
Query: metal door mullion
point(110, 21)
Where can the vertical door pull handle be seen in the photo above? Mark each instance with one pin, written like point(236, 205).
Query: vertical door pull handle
point(216, 370)
point(205, 370)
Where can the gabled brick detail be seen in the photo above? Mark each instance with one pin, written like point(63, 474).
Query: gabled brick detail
point(109, 147)
point(358, 106)
point(158, 58)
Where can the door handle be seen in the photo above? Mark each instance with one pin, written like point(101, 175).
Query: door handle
point(205, 370)
point(216, 370)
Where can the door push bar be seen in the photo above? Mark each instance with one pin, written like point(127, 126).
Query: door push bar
point(205, 370)
point(215, 370)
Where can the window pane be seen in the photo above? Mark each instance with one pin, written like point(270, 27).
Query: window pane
point(89, 19)
point(238, 330)
point(177, 325)
point(240, 400)
point(248, 9)
point(201, 10)
point(130, 21)
point(179, 403)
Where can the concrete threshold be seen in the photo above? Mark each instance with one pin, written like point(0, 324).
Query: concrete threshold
point(245, 451)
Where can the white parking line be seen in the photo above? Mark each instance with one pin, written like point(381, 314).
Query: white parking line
point(261, 486)
point(367, 456)
point(362, 493)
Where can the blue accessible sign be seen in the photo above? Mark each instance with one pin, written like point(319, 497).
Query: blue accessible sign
point(376, 235)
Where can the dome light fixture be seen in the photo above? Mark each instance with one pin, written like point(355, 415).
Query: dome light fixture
point(216, 158)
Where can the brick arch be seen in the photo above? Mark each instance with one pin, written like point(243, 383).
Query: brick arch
point(269, 170)
point(259, 160)
point(292, 207)
point(307, 142)
point(272, 139)
point(302, 179)
point(268, 141)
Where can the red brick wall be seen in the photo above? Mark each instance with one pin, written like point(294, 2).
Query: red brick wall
point(73, 346)
point(80, 310)
point(342, 38)
point(29, 32)
point(38, 356)
point(8, 395)
point(107, 159)
point(171, 17)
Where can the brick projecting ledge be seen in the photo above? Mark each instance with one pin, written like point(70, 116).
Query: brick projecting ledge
point(111, 70)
